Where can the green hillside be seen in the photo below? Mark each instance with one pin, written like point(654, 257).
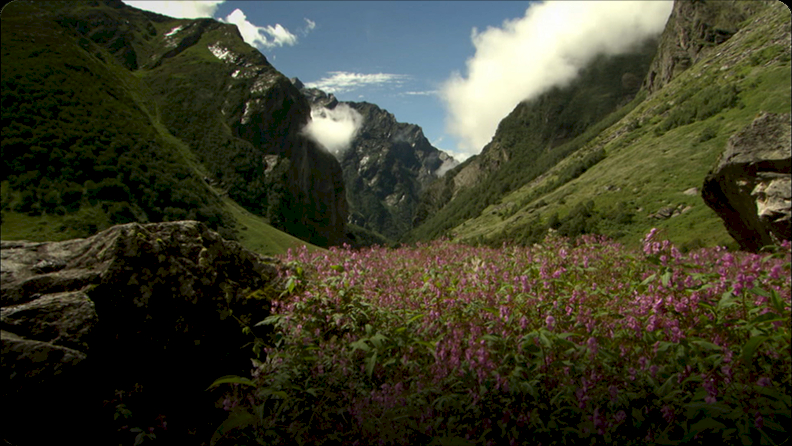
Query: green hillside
point(629, 172)
point(533, 138)
point(84, 146)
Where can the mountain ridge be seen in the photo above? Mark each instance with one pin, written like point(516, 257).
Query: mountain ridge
point(189, 90)
point(527, 141)
point(645, 166)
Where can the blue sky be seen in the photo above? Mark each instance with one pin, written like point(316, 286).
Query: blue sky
point(454, 68)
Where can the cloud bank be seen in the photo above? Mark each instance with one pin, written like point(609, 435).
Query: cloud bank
point(334, 128)
point(527, 56)
point(343, 81)
point(178, 9)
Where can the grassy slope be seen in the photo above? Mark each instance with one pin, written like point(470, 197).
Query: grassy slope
point(533, 138)
point(256, 235)
point(136, 100)
point(648, 168)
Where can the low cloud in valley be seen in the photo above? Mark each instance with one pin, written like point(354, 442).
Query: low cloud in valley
point(527, 56)
point(334, 128)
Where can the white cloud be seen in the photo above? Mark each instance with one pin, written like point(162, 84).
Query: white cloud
point(260, 36)
point(419, 93)
point(547, 47)
point(178, 9)
point(309, 26)
point(445, 167)
point(342, 81)
point(334, 128)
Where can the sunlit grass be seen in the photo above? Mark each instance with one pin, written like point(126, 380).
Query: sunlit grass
point(649, 163)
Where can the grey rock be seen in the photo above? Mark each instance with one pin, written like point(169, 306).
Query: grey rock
point(155, 311)
point(693, 191)
point(693, 31)
point(61, 318)
point(749, 188)
point(664, 213)
point(667, 212)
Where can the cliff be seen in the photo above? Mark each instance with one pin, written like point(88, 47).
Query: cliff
point(387, 167)
point(693, 31)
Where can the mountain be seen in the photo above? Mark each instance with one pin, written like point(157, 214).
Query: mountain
point(531, 139)
point(112, 114)
point(621, 169)
point(387, 167)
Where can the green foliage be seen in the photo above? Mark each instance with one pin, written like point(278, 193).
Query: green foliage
point(709, 132)
point(75, 134)
point(583, 218)
point(361, 237)
point(665, 145)
point(699, 106)
point(563, 343)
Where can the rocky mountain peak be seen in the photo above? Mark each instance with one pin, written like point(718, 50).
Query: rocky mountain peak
point(315, 96)
point(387, 167)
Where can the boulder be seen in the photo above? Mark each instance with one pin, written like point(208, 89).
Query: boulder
point(750, 187)
point(120, 334)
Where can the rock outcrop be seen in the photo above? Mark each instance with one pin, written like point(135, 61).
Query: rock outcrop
point(751, 185)
point(126, 329)
point(693, 30)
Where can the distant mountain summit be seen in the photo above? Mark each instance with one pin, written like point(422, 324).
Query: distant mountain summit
point(387, 167)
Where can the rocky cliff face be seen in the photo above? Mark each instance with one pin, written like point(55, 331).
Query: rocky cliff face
point(387, 167)
point(751, 186)
point(278, 172)
point(127, 328)
point(236, 115)
point(693, 30)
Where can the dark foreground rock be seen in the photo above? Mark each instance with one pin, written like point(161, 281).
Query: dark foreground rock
point(125, 330)
point(751, 186)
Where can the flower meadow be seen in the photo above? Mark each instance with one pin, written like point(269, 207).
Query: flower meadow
point(568, 342)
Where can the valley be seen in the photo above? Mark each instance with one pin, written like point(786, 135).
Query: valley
point(616, 152)
point(186, 259)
